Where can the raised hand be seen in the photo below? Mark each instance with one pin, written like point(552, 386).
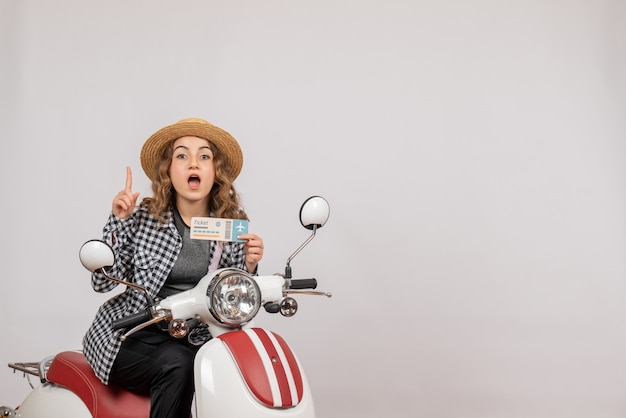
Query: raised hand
point(124, 202)
point(253, 249)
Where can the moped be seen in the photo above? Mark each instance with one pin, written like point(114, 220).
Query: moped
point(242, 371)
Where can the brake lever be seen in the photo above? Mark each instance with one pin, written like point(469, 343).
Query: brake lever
point(160, 317)
point(309, 292)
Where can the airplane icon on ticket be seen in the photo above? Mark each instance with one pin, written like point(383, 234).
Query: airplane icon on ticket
point(240, 227)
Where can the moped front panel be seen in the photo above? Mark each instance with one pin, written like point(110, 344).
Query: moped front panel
point(221, 387)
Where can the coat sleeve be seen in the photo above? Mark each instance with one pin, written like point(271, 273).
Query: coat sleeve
point(118, 233)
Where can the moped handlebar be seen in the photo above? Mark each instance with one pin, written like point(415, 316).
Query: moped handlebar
point(303, 286)
point(134, 319)
point(302, 283)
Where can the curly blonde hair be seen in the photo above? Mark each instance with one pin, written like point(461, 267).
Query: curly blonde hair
point(224, 201)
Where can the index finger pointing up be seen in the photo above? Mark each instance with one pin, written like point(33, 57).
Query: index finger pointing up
point(129, 179)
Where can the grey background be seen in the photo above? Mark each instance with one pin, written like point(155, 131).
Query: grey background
point(473, 154)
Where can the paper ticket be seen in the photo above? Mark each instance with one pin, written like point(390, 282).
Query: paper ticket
point(218, 229)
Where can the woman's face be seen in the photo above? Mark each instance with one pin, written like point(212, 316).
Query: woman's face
point(192, 170)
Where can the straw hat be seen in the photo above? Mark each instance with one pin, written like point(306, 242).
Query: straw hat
point(152, 149)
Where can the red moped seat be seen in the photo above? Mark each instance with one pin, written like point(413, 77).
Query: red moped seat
point(71, 370)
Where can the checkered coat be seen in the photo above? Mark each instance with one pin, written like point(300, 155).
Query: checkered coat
point(145, 253)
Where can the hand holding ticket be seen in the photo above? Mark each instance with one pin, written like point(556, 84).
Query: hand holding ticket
point(218, 229)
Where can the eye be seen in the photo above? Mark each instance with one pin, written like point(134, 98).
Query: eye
point(180, 156)
point(206, 156)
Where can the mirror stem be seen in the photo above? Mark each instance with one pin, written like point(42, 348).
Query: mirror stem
point(129, 284)
point(295, 253)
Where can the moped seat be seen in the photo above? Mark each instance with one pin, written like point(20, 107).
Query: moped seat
point(71, 370)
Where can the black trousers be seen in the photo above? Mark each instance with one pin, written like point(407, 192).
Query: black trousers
point(153, 363)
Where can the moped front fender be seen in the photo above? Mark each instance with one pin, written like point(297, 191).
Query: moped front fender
point(250, 373)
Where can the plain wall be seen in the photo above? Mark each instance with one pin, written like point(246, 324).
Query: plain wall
point(473, 154)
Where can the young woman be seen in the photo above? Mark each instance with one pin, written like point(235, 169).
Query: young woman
point(192, 165)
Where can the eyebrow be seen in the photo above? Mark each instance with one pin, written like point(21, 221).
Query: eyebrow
point(187, 148)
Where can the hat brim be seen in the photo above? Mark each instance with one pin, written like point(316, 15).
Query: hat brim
point(228, 146)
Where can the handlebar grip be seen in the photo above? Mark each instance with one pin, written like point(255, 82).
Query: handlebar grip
point(303, 284)
point(192, 323)
point(131, 320)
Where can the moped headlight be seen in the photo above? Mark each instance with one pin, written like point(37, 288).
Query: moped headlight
point(234, 297)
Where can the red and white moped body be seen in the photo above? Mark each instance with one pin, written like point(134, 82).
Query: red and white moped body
point(245, 373)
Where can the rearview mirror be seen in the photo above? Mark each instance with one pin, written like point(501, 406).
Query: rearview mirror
point(95, 255)
point(314, 212)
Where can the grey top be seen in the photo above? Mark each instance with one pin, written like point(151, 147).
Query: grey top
point(192, 263)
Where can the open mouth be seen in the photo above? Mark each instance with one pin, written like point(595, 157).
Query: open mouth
point(194, 182)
